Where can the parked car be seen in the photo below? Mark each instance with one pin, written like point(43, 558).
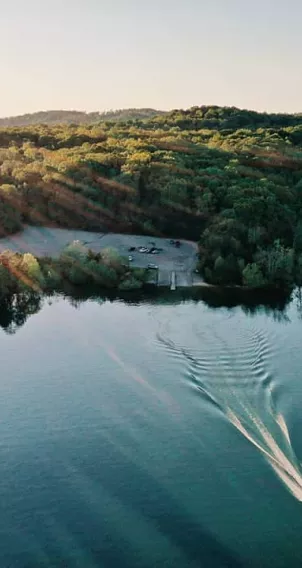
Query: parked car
point(130, 258)
point(154, 266)
point(143, 249)
point(131, 249)
point(175, 243)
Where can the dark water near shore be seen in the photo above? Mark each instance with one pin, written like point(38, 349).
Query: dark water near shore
point(145, 434)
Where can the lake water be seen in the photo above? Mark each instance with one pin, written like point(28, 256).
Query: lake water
point(150, 434)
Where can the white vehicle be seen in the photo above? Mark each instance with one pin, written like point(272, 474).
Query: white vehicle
point(130, 258)
point(154, 266)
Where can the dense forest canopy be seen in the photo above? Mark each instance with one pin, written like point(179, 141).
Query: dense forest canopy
point(229, 178)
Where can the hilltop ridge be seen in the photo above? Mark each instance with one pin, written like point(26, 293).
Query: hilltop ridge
point(196, 117)
point(50, 117)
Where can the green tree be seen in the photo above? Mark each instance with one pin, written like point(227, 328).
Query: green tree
point(31, 267)
point(277, 265)
point(253, 277)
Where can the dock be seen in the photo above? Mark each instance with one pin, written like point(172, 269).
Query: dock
point(173, 280)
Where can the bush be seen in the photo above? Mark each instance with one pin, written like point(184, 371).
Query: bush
point(77, 275)
point(75, 251)
point(130, 283)
point(52, 277)
point(101, 274)
point(252, 276)
point(31, 267)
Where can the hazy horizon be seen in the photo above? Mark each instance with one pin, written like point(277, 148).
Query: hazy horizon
point(97, 56)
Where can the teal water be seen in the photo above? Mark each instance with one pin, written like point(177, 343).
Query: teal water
point(150, 434)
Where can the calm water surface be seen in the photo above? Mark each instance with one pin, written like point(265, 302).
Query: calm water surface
point(151, 435)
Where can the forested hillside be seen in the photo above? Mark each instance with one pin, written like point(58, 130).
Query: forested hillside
point(231, 179)
point(77, 117)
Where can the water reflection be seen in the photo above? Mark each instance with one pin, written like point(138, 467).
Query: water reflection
point(15, 310)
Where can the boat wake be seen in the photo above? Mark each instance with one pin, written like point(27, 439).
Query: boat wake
point(284, 463)
point(232, 367)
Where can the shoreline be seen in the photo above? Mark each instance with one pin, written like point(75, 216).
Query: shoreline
point(46, 242)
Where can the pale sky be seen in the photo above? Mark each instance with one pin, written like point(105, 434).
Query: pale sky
point(109, 54)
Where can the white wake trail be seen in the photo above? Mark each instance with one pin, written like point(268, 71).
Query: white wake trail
point(234, 370)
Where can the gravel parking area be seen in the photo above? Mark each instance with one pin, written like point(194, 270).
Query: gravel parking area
point(42, 241)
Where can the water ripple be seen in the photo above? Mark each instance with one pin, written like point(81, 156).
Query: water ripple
point(232, 367)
